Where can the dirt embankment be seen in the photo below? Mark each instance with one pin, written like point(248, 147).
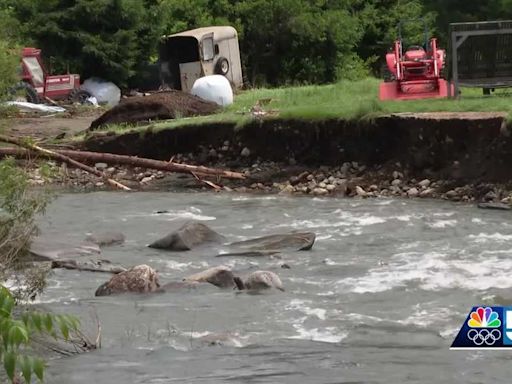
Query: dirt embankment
point(157, 106)
point(469, 147)
point(455, 156)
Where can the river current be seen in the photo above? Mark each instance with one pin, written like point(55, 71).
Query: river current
point(379, 299)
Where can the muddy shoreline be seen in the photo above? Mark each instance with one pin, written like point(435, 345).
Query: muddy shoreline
point(459, 157)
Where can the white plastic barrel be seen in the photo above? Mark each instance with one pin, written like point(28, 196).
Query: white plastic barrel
point(214, 88)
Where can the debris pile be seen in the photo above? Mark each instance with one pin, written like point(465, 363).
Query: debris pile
point(164, 105)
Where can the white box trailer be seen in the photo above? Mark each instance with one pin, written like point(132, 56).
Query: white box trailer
point(184, 57)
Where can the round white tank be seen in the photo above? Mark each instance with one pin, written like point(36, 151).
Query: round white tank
point(214, 88)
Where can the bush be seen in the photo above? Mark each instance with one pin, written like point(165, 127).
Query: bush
point(18, 208)
point(106, 39)
point(9, 66)
point(16, 336)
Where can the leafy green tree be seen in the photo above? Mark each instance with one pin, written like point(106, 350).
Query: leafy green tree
point(455, 11)
point(101, 38)
point(18, 324)
point(282, 41)
point(17, 332)
point(18, 209)
point(9, 64)
point(380, 19)
point(9, 50)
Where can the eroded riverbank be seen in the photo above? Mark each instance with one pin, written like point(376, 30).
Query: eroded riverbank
point(459, 157)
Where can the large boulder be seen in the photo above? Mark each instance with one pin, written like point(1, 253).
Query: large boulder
point(495, 206)
point(220, 276)
point(105, 239)
point(299, 241)
point(179, 286)
point(248, 254)
point(88, 265)
point(259, 280)
point(138, 279)
point(48, 250)
point(189, 236)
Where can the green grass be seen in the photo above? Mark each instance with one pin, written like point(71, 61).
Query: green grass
point(349, 100)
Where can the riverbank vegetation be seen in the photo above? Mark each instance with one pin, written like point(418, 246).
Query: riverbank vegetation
point(19, 324)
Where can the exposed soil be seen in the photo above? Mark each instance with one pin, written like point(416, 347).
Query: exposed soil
point(43, 126)
point(47, 127)
point(157, 106)
point(460, 157)
point(476, 148)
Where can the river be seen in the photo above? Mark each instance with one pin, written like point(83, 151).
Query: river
point(379, 299)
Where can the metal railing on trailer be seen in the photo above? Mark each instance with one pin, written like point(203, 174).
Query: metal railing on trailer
point(481, 55)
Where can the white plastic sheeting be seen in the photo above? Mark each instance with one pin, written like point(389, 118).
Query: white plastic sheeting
point(104, 91)
point(214, 88)
point(31, 107)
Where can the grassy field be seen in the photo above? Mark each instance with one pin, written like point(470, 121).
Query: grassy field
point(350, 100)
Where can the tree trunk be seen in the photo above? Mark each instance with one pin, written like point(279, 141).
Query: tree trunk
point(134, 161)
point(61, 157)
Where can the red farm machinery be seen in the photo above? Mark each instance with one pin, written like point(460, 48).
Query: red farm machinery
point(415, 71)
point(37, 85)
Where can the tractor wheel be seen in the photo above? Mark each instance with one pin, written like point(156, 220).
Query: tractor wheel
point(78, 95)
point(222, 66)
point(24, 91)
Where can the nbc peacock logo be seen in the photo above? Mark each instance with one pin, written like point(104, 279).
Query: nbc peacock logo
point(484, 318)
point(484, 329)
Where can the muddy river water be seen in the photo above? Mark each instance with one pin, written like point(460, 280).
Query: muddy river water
point(379, 299)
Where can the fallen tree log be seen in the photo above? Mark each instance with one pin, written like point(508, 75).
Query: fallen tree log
point(134, 161)
point(61, 157)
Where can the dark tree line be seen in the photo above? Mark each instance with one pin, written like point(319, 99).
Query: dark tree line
point(282, 41)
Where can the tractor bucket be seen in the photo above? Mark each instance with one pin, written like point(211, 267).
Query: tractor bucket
point(414, 90)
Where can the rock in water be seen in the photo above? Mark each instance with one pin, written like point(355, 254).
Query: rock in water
point(220, 276)
point(259, 280)
point(189, 236)
point(139, 279)
point(300, 241)
point(179, 286)
point(89, 266)
point(248, 254)
point(49, 250)
point(106, 239)
point(495, 206)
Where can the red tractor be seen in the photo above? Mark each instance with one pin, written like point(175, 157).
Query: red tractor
point(415, 72)
point(37, 85)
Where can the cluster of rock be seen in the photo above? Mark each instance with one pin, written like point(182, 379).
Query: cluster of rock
point(144, 279)
point(80, 179)
point(350, 179)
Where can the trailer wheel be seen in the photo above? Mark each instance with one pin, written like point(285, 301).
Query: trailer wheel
point(78, 95)
point(26, 91)
point(222, 66)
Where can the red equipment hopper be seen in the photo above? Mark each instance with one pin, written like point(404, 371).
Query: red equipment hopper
point(416, 73)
